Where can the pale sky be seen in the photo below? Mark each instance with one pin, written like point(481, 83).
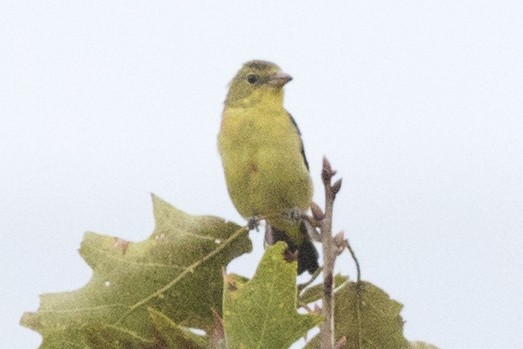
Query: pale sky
point(418, 105)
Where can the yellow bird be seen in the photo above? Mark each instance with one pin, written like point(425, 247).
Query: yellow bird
point(262, 153)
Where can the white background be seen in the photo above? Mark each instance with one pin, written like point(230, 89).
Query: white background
point(418, 104)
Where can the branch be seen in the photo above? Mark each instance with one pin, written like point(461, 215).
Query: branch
point(329, 255)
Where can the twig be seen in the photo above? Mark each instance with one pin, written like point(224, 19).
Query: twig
point(358, 292)
point(358, 270)
point(358, 314)
point(329, 256)
point(302, 286)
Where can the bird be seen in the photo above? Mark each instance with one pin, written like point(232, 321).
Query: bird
point(263, 158)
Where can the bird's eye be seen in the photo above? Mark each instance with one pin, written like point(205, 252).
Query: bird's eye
point(251, 78)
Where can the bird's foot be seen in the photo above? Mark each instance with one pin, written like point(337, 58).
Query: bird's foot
point(269, 236)
point(311, 230)
point(253, 223)
point(295, 214)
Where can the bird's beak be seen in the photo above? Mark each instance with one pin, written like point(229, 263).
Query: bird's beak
point(279, 79)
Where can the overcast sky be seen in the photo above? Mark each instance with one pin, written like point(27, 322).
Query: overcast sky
point(418, 104)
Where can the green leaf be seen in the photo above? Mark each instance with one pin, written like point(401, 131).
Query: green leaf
point(367, 317)
point(421, 345)
point(173, 336)
point(262, 313)
point(165, 272)
point(111, 337)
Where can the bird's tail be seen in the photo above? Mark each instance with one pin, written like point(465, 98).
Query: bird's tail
point(307, 253)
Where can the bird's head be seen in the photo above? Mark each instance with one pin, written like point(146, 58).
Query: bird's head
point(254, 80)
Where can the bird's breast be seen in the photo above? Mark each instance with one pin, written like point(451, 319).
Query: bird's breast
point(264, 169)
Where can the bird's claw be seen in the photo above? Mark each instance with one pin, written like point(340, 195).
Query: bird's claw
point(253, 223)
point(295, 214)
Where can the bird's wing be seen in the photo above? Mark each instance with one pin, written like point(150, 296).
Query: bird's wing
point(301, 141)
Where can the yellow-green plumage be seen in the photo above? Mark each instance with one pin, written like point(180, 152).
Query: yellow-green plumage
point(262, 152)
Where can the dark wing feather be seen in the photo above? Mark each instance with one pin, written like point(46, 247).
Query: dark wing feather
point(301, 141)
